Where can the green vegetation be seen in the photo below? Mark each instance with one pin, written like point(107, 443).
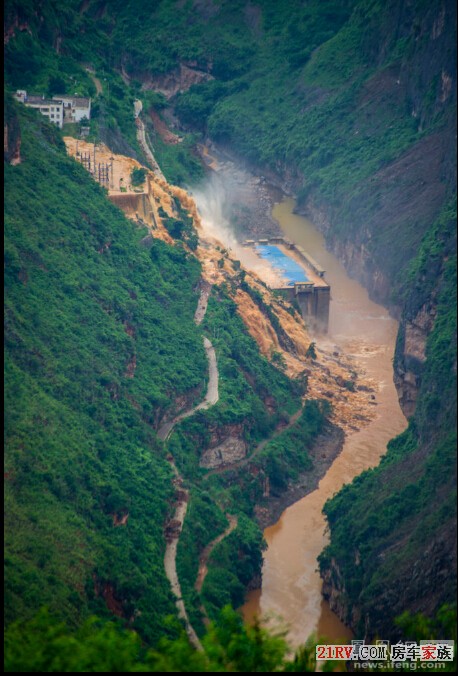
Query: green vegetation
point(100, 342)
point(138, 176)
point(267, 52)
point(323, 103)
point(232, 566)
point(204, 522)
point(348, 98)
point(311, 352)
point(180, 228)
point(418, 627)
point(247, 381)
point(309, 87)
point(44, 645)
point(178, 163)
point(285, 456)
point(85, 307)
point(279, 459)
point(31, 63)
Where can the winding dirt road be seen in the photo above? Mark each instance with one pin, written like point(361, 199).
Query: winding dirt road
point(202, 304)
point(210, 399)
point(203, 560)
point(171, 567)
point(141, 138)
point(164, 433)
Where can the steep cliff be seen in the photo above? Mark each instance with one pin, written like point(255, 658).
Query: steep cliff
point(83, 303)
point(377, 226)
point(393, 541)
point(362, 128)
point(368, 144)
point(11, 134)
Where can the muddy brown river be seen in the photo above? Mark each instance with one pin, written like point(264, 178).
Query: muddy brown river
point(291, 586)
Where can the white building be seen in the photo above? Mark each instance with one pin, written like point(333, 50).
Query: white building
point(59, 109)
point(53, 110)
point(75, 108)
point(20, 95)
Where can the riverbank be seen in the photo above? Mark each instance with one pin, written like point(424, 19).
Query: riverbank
point(323, 453)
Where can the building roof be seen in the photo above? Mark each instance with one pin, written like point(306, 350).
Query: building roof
point(78, 102)
point(81, 103)
point(289, 269)
point(41, 101)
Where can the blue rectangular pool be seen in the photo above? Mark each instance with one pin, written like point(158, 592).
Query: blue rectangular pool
point(288, 267)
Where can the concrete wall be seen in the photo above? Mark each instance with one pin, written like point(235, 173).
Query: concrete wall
point(322, 299)
point(314, 306)
point(81, 113)
point(130, 203)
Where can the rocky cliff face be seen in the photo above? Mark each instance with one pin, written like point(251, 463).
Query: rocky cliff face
point(392, 236)
point(430, 571)
point(179, 80)
point(411, 356)
point(378, 228)
point(11, 137)
point(392, 547)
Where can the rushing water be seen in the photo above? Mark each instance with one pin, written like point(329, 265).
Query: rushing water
point(291, 586)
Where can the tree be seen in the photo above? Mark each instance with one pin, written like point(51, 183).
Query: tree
point(46, 645)
point(56, 85)
point(138, 176)
point(311, 352)
point(278, 359)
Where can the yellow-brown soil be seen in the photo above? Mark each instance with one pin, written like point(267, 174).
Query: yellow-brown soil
point(350, 409)
point(164, 132)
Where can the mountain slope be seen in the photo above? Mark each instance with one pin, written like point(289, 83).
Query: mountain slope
point(101, 349)
point(393, 530)
point(83, 302)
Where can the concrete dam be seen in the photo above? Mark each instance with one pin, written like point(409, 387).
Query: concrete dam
point(300, 278)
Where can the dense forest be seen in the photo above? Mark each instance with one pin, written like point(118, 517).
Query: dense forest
point(85, 299)
point(351, 106)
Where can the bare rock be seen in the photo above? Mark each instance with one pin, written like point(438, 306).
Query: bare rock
point(229, 451)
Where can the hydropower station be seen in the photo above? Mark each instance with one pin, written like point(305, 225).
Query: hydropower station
point(302, 278)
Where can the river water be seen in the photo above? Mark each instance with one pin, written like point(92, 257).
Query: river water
point(291, 586)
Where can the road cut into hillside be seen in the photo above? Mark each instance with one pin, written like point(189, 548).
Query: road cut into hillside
point(175, 525)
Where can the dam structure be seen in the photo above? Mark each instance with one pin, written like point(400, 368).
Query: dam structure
point(301, 278)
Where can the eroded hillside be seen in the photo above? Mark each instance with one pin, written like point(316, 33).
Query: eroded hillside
point(330, 376)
